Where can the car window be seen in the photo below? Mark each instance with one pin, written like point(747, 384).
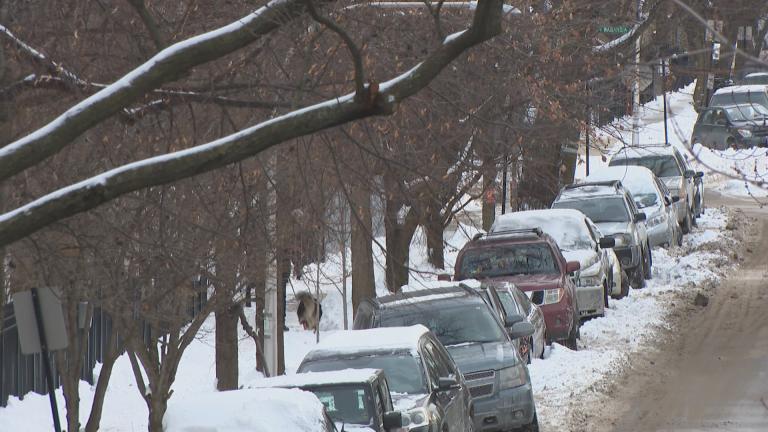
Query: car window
point(508, 260)
point(465, 322)
point(431, 365)
point(509, 302)
point(348, 404)
point(523, 301)
point(631, 204)
point(601, 209)
point(661, 165)
point(446, 360)
point(403, 370)
point(440, 367)
point(384, 389)
point(706, 117)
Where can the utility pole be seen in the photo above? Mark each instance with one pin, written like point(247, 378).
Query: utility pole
point(664, 95)
point(636, 84)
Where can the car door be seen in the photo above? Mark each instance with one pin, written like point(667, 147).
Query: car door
point(462, 399)
point(703, 128)
point(720, 130)
point(691, 184)
point(534, 316)
point(448, 401)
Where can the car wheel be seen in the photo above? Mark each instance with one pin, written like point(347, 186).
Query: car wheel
point(729, 143)
point(606, 295)
point(638, 279)
point(679, 234)
point(687, 223)
point(624, 284)
point(570, 343)
point(648, 274)
point(533, 426)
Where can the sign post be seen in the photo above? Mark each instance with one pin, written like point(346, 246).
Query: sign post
point(40, 321)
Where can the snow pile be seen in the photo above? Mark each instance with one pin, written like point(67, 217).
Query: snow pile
point(247, 410)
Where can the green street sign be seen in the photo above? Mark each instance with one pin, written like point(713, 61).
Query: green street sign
point(614, 29)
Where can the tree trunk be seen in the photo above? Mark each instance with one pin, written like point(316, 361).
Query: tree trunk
point(113, 353)
point(363, 284)
point(261, 257)
point(489, 193)
point(282, 248)
point(400, 223)
point(157, 407)
point(226, 348)
point(433, 226)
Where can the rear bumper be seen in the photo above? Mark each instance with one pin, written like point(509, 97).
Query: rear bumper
point(559, 320)
point(507, 409)
point(591, 302)
point(629, 256)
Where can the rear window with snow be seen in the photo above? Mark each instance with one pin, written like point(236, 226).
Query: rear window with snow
point(508, 260)
point(403, 370)
point(600, 209)
point(347, 404)
point(661, 165)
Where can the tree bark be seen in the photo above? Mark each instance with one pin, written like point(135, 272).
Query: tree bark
point(226, 347)
point(282, 250)
point(261, 257)
point(363, 282)
point(489, 193)
point(433, 225)
point(114, 349)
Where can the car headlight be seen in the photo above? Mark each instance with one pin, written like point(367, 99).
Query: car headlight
point(584, 281)
point(415, 418)
point(745, 133)
point(552, 296)
point(512, 377)
point(623, 239)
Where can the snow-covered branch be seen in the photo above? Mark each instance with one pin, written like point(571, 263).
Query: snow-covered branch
point(167, 168)
point(635, 32)
point(164, 67)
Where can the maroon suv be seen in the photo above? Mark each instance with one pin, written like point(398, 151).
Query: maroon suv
point(531, 260)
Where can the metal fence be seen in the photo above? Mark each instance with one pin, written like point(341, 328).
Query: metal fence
point(21, 374)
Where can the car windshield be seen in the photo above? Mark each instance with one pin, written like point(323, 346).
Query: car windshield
point(662, 166)
point(509, 260)
point(759, 79)
point(403, 370)
point(602, 209)
point(508, 302)
point(739, 98)
point(747, 112)
point(453, 325)
point(646, 200)
point(349, 404)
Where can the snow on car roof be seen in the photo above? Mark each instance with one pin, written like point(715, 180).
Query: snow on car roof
point(251, 410)
point(639, 180)
point(587, 191)
point(637, 152)
point(422, 285)
point(346, 376)
point(742, 89)
point(566, 226)
point(376, 339)
point(756, 74)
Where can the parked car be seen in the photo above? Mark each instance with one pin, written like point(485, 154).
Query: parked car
point(579, 240)
point(515, 302)
point(425, 384)
point(651, 198)
point(357, 399)
point(476, 339)
point(755, 78)
point(672, 168)
point(612, 208)
point(257, 410)
point(740, 95)
point(531, 260)
point(732, 126)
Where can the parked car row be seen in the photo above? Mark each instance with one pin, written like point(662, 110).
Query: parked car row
point(453, 357)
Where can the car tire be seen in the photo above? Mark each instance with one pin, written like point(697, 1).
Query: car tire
point(606, 294)
point(648, 267)
point(729, 143)
point(686, 227)
point(571, 343)
point(624, 289)
point(533, 426)
point(638, 276)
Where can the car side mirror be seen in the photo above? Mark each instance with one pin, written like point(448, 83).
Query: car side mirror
point(640, 217)
point(689, 174)
point(521, 330)
point(700, 174)
point(607, 242)
point(572, 266)
point(447, 383)
point(393, 420)
point(512, 319)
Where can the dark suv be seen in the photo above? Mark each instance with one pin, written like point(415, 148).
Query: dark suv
point(532, 261)
point(476, 339)
point(732, 126)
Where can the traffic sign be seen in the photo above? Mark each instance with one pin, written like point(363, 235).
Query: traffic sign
point(614, 29)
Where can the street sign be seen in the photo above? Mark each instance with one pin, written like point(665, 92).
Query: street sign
point(614, 29)
point(52, 317)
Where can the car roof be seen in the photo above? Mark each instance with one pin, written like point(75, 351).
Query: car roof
point(755, 74)
point(591, 190)
point(310, 379)
point(643, 151)
point(384, 339)
point(514, 219)
point(743, 89)
point(624, 173)
point(458, 293)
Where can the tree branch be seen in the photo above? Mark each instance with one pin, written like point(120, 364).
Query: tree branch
point(187, 163)
point(168, 65)
point(149, 23)
point(635, 32)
